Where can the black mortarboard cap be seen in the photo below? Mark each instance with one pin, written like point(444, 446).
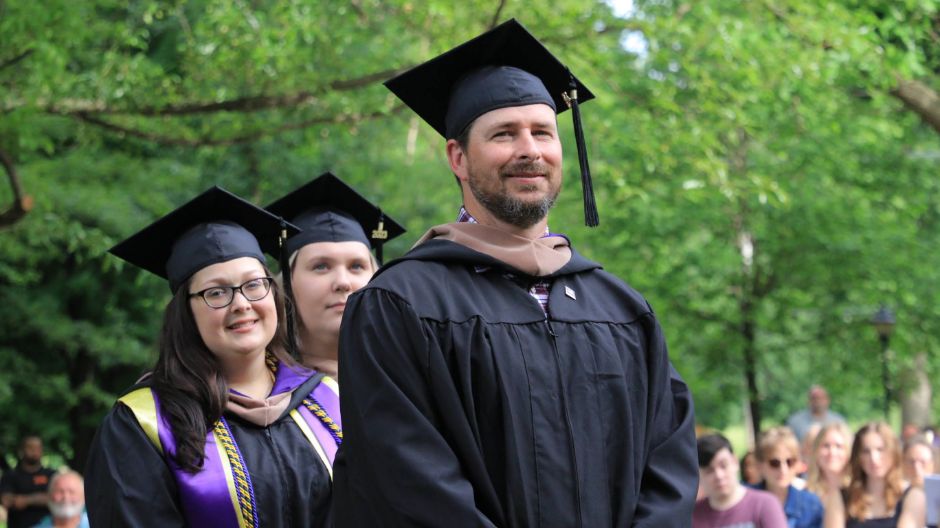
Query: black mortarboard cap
point(501, 68)
point(328, 210)
point(214, 227)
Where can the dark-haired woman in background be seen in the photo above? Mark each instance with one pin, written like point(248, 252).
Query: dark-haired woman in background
point(227, 431)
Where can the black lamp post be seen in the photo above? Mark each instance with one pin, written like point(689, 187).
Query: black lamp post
point(883, 321)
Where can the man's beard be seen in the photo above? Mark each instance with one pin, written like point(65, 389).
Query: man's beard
point(65, 510)
point(508, 208)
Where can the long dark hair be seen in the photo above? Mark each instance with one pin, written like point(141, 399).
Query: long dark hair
point(188, 377)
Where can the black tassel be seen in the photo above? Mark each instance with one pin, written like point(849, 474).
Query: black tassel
point(284, 259)
point(591, 218)
point(379, 235)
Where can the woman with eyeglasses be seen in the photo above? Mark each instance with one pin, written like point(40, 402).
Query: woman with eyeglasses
point(829, 460)
point(227, 431)
point(328, 260)
point(778, 456)
point(875, 497)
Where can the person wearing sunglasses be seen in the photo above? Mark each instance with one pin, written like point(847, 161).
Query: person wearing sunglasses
point(227, 430)
point(778, 457)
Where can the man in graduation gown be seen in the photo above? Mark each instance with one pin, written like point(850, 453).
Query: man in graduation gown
point(493, 376)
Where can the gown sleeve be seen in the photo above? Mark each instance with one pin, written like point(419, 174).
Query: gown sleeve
point(670, 476)
point(127, 480)
point(395, 468)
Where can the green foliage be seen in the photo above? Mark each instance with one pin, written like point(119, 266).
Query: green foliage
point(771, 121)
point(767, 124)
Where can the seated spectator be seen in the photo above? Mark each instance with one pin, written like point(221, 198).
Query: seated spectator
point(918, 460)
point(727, 503)
point(750, 472)
point(23, 489)
point(806, 453)
point(829, 460)
point(778, 455)
point(66, 502)
point(875, 496)
point(908, 431)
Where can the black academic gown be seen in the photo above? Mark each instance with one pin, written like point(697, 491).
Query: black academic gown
point(128, 482)
point(464, 405)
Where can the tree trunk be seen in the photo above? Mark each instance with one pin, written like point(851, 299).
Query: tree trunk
point(916, 393)
point(921, 99)
point(81, 372)
point(750, 368)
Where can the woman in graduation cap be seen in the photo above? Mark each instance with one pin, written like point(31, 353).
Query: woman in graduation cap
point(227, 431)
point(328, 260)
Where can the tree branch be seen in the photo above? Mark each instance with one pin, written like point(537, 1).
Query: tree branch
point(13, 60)
point(357, 7)
point(247, 104)
point(684, 308)
point(21, 203)
point(920, 99)
point(916, 96)
point(499, 11)
point(234, 140)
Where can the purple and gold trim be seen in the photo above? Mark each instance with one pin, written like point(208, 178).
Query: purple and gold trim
point(237, 478)
point(221, 493)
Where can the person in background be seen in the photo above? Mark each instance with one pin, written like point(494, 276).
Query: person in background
point(908, 431)
point(829, 460)
point(227, 431)
point(818, 412)
point(918, 460)
point(806, 454)
point(875, 497)
point(328, 260)
point(778, 455)
point(727, 503)
point(750, 469)
point(4, 467)
point(24, 489)
point(66, 502)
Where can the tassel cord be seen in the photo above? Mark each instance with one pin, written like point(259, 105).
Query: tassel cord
point(591, 217)
point(284, 259)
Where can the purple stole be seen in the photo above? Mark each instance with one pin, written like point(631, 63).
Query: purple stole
point(220, 494)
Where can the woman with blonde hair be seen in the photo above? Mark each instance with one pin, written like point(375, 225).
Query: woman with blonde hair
point(328, 261)
point(778, 456)
point(828, 459)
point(875, 496)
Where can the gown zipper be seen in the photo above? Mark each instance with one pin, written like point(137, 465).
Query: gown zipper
point(568, 427)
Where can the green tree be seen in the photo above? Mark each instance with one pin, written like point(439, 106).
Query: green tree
point(760, 175)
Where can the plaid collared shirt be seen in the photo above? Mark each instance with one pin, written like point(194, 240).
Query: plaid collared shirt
point(539, 290)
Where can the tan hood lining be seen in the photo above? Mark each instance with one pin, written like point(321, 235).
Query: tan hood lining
point(539, 257)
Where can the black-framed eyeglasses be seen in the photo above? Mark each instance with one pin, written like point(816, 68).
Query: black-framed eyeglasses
point(222, 296)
